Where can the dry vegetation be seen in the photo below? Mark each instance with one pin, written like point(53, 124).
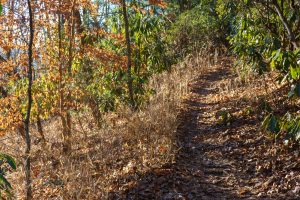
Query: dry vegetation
point(128, 144)
point(225, 159)
point(110, 160)
point(260, 167)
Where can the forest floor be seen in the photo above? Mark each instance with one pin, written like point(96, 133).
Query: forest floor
point(221, 151)
point(229, 159)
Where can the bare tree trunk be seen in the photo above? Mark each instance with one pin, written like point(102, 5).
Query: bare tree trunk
point(285, 23)
point(61, 85)
point(28, 189)
point(67, 134)
point(65, 118)
point(129, 82)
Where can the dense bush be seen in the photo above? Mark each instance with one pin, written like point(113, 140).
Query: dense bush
point(263, 35)
point(204, 28)
point(267, 38)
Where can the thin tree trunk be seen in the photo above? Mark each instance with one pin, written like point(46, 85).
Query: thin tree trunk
point(285, 23)
point(67, 133)
point(62, 112)
point(12, 8)
point(129, 82)
point(28, 189)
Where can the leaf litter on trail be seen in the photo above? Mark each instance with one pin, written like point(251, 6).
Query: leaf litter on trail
point(223, 160)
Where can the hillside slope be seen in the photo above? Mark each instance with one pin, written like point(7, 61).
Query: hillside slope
point(222, 153)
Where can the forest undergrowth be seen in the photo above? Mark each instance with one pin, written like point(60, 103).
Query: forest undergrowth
point(128, 143)
point(157, 99)
point(115, 157)
point(223, 151)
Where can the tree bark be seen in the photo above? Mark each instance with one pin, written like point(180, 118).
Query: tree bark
point(61, 84)
point(68, 126)
point(28, 189)
point(129, 82)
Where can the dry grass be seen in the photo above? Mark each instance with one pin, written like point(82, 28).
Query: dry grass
point(251, 90)
point(108, 159)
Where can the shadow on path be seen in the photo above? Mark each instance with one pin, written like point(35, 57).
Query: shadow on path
point(201, 169)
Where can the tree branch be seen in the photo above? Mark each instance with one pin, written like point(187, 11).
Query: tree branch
point(285, 23)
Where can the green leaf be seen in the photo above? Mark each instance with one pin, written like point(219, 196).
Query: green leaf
point(272, 64)
point(286, 63)
point(295, 90)
point(276, 54)
point(294, 73)
point(9, 160)
point(297, 136)
point(266, 121)
point(1, 8)
point(4, 182)
point(273, 126)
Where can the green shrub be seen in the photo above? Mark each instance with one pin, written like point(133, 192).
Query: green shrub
point(6, 162)
point(203, 28)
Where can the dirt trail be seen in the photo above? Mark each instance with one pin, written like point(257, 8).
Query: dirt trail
point(214, 161)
